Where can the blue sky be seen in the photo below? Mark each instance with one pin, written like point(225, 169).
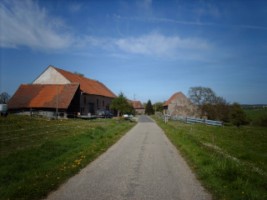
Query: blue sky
point(146, 49)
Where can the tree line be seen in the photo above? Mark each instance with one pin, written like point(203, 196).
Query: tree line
point(214, 107)
point(208, 105)
point(123, 106)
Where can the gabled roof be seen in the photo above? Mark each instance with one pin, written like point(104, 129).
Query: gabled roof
point(43, 96)
point(87, 85)
point(177, 95)
point(137, 105)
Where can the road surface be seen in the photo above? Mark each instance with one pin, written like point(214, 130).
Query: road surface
point(141, 165)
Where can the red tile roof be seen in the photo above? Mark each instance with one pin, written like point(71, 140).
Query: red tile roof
point(137, 105)
point(43, 96)
point(87, 85)
point(176, 95)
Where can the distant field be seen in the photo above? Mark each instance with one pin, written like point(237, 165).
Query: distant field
point(257, 117)
point(230, 161)
point(37, 155)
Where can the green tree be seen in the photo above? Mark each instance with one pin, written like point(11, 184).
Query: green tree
point(149, 108)
point(121, 105)
point(218, 110)
point(158, 107)
point(237, 115)
point(209, 105)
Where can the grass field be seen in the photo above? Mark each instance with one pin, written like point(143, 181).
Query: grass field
point(257, 117)
point(37, 155)
point(231, 162)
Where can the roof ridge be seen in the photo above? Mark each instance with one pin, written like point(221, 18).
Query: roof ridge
point(72, 73)
point(85, 82)
point(176, 93)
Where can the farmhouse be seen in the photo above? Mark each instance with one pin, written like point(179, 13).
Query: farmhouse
point(60, 91)
point(138, 107)
point(178, 104)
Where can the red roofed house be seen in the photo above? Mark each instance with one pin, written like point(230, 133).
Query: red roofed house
point(138, 107)
point(59, 90)
point(178, 104)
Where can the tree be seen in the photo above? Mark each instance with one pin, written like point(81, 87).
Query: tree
point(4, 97)
point(121, 104)
point(201, 95)
point(149, 108)
point(158, 106)
point(218, 110)
point(209, 105)
point(237, 115)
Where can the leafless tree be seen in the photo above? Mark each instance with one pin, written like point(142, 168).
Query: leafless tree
point(4, 97)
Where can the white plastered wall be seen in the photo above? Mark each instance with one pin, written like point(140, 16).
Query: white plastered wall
point(51, 76)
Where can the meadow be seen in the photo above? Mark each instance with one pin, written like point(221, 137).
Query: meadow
point(257, 116)
point(231, 162)
point(37, 154)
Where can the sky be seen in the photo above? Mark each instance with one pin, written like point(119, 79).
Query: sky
point(147, 49)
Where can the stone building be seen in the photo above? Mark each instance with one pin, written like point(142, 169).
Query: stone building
point(178, 104)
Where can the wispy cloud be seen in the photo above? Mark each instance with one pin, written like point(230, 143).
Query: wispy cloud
point(27, 24)
point(152, 44)
point(159, 45)
point(189, 23)
point(24, 23)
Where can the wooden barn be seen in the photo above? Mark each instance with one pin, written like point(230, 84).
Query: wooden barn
point(60, 91)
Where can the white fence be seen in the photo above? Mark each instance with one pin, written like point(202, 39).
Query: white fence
point(191, 120)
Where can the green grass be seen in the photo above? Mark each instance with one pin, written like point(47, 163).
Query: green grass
point(37, 155)
point(257, 117)
point(231, 162)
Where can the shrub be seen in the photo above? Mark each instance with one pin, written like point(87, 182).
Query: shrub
point(237, 115)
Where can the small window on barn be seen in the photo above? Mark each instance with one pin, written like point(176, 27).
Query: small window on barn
point(84, 99)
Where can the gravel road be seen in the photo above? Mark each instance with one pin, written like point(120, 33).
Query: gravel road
point(141, 165)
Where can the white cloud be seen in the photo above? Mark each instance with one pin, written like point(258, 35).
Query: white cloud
point(24, 23)
point(159, 45)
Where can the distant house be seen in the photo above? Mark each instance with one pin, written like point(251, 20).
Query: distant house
point(138, 107)
point(59, 90)
point(179, 104)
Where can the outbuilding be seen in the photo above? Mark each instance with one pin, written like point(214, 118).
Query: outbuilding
point(60, 91)
point(179, 105)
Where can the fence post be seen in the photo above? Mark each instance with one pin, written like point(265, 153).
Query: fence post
point(165, 119)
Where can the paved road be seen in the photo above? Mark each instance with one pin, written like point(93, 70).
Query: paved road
point(142, 165)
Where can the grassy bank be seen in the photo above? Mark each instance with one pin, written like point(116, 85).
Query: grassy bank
point(231, 162)
point(37, 155)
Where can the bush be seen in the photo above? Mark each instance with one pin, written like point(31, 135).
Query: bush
point(237, 115)
point(263, 121)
